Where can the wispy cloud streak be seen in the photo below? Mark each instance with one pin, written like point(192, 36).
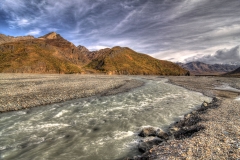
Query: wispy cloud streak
point(166, 29)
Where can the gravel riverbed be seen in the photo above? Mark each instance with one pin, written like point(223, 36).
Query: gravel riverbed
point(21, 91)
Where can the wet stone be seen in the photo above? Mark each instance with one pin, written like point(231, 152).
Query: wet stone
point(95, 129)
point(148, 143)
point(186, 132)
point(67, 136)
point(205, 104)
point(148, 131)
point(161, 134)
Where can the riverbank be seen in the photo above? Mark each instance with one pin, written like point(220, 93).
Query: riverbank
point(218, 135)
point(21, 91)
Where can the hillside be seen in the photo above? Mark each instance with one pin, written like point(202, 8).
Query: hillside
point(52, 53)
point(235, 73)
point(66, 49)
point(199, 68)
point(6, 39)
point(33, 56)
point(119, 60)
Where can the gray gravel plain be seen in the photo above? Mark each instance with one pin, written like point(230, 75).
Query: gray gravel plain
point(21, 91)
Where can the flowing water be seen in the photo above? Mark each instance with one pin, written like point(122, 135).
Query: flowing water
point(96, 127)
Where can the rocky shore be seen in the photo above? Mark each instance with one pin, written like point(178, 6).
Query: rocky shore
point(21, 91)
point(210, 132)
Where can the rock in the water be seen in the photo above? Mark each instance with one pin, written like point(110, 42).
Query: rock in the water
point(174, 129)
point(187, 116)
point(205, 104)
point(148, 143)
point(148, 131)
point(161, 134)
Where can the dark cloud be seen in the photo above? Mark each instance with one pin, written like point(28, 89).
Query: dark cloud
point(163, 28)
point(229, 56)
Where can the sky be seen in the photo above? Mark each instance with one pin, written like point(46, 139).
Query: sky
point(175, 30)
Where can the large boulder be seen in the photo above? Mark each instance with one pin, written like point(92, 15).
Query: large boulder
point(151, 131)
point(148, 143)
point(161, 134)
point(147, 131)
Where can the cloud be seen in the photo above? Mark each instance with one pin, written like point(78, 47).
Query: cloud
point(166, 29)
point(94, 48)
point(228, 56)
point(19, 22)
point(34, 32)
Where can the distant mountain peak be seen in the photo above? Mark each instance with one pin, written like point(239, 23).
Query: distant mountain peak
point(197, 63)
point(125, 61)
point(82, 48)
point(117, 48)
point(235, 73)
point(51, 35)
point(200, 68)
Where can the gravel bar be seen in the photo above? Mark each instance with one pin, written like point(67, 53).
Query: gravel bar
point(21, 91)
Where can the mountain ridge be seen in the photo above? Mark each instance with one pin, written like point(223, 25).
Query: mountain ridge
point(200, 68)
point(123, 60)
point(52, 53)
point(234, 73)
point(6, 39)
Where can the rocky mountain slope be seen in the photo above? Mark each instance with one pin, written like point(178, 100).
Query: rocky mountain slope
point(235, 73)
point(65, 48)
point(199, 68)
point(54, 54)
point(48, 54)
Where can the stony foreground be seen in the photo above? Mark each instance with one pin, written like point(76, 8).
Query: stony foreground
point(20, 91)
point(213, 133)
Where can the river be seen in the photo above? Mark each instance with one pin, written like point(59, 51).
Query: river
point(97, 127)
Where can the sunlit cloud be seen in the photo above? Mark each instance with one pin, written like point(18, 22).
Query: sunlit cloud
point(19, 22)
point(230, 56)
point(165, 29)
point(96, 48)
point(34, 32)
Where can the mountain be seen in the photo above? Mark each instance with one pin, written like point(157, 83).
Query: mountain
point(199, 68)
point(235, 73)
point(123, 60)
point(52, 53)
point(48, 54)
point(6, 39)
point(65, 48)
